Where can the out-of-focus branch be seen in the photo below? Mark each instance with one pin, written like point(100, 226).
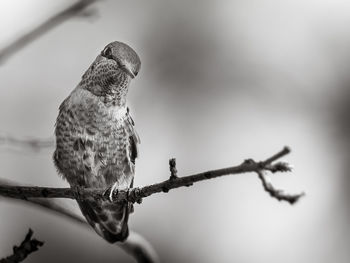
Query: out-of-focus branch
point(135, 245)
point(136, 194)
point(57, 19)
point(27, 246)
point(34, 144)
point(142, 250)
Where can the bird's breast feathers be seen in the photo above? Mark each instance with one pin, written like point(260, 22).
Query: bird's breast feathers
point(85, 120)
point(85, 100)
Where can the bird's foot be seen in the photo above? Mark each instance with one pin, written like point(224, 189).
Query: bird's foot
point(114, 188)
point(77, 191)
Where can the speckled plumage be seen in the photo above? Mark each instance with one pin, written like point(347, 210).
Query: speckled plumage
point(96, 143)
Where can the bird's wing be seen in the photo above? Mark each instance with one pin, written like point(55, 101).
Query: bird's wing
point(76, 156)
point(134, 138)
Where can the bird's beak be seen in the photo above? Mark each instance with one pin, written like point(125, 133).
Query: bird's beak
point(128, 70)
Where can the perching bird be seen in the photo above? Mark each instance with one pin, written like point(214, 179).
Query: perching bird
point(96, 143)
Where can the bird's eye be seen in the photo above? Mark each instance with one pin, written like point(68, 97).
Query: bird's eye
point(107, 53)
point(135, 73)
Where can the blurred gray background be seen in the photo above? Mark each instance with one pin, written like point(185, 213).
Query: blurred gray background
point(221, 81)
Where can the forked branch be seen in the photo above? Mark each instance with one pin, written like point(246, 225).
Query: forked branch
point(136, 194)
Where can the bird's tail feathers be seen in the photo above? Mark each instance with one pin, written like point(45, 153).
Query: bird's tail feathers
point(109, 220)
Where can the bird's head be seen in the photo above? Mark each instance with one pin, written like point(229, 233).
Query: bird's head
point(121, 56)
point(110, 73)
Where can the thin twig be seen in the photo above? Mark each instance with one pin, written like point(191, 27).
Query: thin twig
point(286, 150)
point(172, 167)
point(57, 19)
point(27, 246)
point(277, 193)
point(136, 194)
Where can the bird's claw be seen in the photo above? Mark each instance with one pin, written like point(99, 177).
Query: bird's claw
point(114, 188)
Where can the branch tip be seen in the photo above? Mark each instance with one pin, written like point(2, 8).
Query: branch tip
point(279, 194)
point(286, 150)
point(173, 170)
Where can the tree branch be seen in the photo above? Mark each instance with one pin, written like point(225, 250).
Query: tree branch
point(57, 19)
point(27, 246)
point(136, 194)
point(26, 143)
point(135, 245)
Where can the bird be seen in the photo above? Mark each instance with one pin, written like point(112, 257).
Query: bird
point(96, 140)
